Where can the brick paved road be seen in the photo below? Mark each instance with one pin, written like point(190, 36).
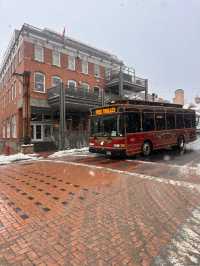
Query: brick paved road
point(94, 211)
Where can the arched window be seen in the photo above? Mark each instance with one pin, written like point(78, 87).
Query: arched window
point(55, 81)
point(96, 90)
point(72, 84)
point(85, 87)
point(39, 82)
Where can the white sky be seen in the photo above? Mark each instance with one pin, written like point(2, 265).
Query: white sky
point(159, 38)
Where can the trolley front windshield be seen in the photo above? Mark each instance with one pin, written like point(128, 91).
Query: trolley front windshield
point(107, 126)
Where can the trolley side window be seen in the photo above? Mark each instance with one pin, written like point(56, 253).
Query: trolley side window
point(148, 123)
point(160, 120)
point(187, 120)
point(179, 120)
point(170, 119)
point(133, 122)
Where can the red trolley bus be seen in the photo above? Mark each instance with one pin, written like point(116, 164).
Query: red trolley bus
point(131, 127)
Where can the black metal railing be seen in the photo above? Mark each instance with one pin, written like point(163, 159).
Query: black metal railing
point(75, 94)
point(80, 95)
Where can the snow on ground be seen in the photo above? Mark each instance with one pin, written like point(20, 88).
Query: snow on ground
point(195, 145)
point(83, 151)
point(4, 159)
point(184, 248)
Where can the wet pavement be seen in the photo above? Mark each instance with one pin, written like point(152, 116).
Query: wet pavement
point(83, 209)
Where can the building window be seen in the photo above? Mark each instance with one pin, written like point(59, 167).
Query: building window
point(85, 87)
point(71, 63)
point(41, 132)
point(56, 58)
point(97, 70)
point(13, 91)
point(8, 128)
point(39, 82)
point(20, 87)
point(96, 91)
point(13, 127)
point(4, 131)
point(39, 53)
point(84, 67)
point(19, 55)
point(72, 84)
point(56, 81)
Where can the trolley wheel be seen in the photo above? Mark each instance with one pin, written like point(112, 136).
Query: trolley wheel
point(146, 148)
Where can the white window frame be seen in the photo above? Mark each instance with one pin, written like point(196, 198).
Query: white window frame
point(12, 92)
point(34, 132)
point(15, 89)
point(20, 88)
point(42, 125)
point(56, 61)
point(4, 130)
point(71, 62)
point(13, 127)
point(84, 67)
point(38, 53)
point(72, 81)
point(8, 128)
point(35, 89)
point(97, 73)
point(55, 77)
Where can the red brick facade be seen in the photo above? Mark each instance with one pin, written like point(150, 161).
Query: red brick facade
point(24, 60)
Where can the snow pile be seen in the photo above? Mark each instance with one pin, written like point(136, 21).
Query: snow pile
point(16, 157)
point(193, 106)
point(195, 145)
point(69, 152)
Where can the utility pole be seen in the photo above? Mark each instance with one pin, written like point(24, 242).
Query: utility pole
point(62, 118)
point(121, 82)
point(146, 89)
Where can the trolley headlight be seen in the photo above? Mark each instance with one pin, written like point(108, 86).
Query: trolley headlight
point(91, 144)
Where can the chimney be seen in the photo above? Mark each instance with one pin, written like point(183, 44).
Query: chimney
point(179, 97)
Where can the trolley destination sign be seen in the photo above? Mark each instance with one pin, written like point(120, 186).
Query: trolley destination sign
point(105, 110)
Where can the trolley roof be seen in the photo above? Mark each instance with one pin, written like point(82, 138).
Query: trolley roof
point(147, 103)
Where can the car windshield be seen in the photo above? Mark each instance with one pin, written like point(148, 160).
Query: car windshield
point(107, 126)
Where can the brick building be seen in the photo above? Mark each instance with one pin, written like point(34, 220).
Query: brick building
point(55, 64)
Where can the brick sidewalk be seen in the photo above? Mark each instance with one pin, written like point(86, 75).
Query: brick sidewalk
point(60, 214)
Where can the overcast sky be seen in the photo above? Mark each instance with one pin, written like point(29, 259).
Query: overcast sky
point(159, 38)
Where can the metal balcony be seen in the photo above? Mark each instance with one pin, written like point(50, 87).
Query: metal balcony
point(128, 78)
point(76, 99)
